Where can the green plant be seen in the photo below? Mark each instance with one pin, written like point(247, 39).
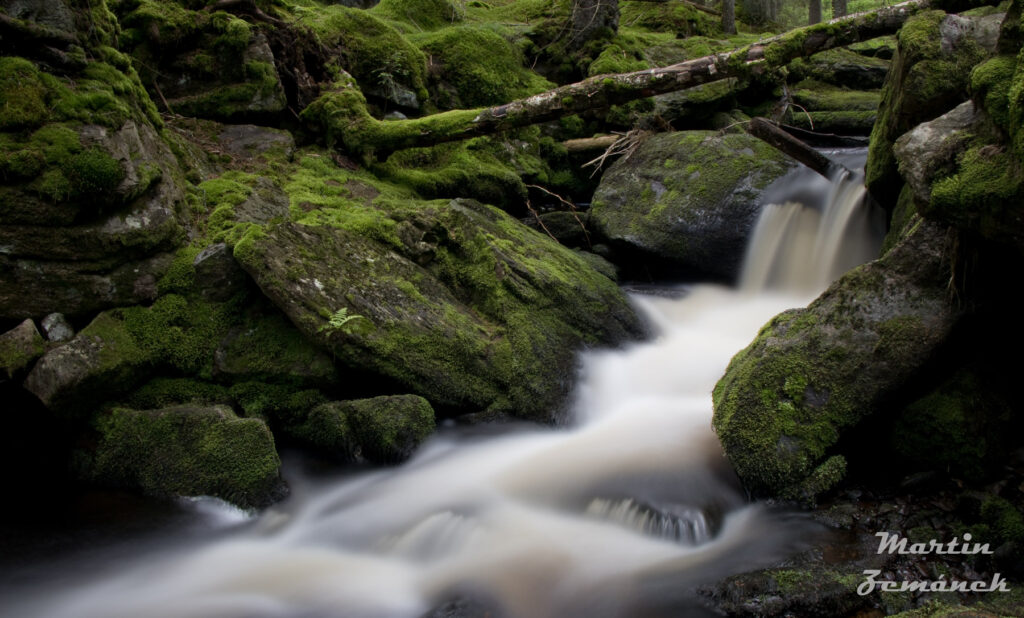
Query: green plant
point(338, 321)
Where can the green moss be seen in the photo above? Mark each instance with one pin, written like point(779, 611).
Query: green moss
point(166, 22)
point(368, 46)
point(23, 95)
point(165, 392)
point(93, 173)
point(180, 332)
point(421, 14)
point(187, 451)
point(481, 65)
point(984, 194)
point(990, 86)
point(818, 96)
point(672, 18)
point(16, 355)
point(390, 428)
point(1004, 519)
point(281, 403)
point(180, 276)
point(614, 59)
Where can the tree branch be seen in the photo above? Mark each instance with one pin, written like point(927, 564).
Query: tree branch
point(340, 113)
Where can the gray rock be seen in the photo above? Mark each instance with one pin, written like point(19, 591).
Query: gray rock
point(247, 141)
point(38, 287)
point(265, 99)
point(686, 202)
point(185, 451)
point(266, 203)
point(19, 347)
point(473, 311)
point(983, 30)
point(54, 14)
point(930, 149)
point(101, 361)
point(813, 374)
point(57, 327)
point(218, 276)
point(397, 94)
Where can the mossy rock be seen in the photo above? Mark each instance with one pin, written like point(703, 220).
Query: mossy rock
point(458, 302)
point(842, 67)
point(929, 76)
point(19, 347)
point(686, 202)
point(839, 122)
point(102, 360)
point(268, 348)
point(384, 429)
point(185, 451)
point(479, 66)
point(812, 374)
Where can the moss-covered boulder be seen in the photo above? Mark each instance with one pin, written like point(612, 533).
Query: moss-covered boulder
point(929, 76)
point(102, 360)
point(929, 150)
point(89, 188)
point(185, 451)
point(19, 347)
point(842, 67)
point(686, 202)
point(202, 63)
point(381, 429)
point(814, 373)
point(456, 301)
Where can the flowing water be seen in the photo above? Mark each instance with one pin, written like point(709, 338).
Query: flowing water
point(622, 513)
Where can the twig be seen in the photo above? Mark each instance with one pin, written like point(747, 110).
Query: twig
point(572, 209)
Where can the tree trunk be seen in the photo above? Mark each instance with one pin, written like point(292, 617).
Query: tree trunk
point(729, 16)
point(341, 115)
point(838, 8)
point(813, 12)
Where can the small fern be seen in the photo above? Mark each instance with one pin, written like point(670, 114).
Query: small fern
point(339, 319)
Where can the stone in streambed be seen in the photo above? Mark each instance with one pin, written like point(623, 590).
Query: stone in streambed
point(384, 429)
point(185, 451)
point(814, 373)
point(686, 202)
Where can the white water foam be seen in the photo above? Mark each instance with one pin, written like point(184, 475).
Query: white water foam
point(580, 521)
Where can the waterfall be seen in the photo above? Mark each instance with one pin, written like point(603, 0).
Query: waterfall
point(629, 508)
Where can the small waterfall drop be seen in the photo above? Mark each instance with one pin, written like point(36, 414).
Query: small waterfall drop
point(626, 510)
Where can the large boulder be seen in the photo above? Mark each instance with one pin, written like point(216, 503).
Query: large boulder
point(929, 149)
point(185, 451)
point(686, 202)
point(814, 373)
point(929, 76)
point(89, 189)
point(455, 301)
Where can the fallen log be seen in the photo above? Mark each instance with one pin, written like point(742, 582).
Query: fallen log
point(775, 137)
point(587, 144)
point(340, 113)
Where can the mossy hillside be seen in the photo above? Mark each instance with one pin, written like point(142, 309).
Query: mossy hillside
point(480, 65)
point(203, 63)
point(419, 15)
point(675, 18)
point(185, 451)
point(811, 374)
point(370, 49)
point(923, 83)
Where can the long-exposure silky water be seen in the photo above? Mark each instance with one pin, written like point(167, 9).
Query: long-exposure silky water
point(622, 513)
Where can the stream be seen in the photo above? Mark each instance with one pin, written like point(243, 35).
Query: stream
point(623, 512)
